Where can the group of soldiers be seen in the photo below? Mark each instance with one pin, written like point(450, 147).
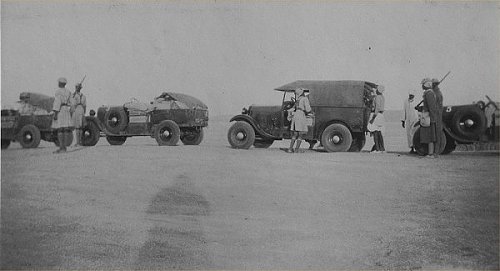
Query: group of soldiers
point(68, 113)
point(433, 105)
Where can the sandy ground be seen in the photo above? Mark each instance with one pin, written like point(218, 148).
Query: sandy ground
point(141, 206)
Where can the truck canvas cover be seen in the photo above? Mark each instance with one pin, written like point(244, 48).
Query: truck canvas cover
point(333, 93)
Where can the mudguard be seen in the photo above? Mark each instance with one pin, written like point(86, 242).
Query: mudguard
point(252, 122)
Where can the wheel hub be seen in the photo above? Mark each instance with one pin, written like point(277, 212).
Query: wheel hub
point(114, 119)
point(28, 136)
point(240, 136)
point(166, 133)
point(336, 139)
point(469, 123)
point(86, 133)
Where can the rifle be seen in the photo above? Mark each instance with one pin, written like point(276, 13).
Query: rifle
point(81, 82)
point(444, 77)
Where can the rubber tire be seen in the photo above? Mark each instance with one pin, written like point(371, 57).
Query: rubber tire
point(358, 143)
point(34, 133)
point(248, 133)
point(116, 140)
point(122, 120)
point(476, 115)
point(449, 146)
point(339, 130)
point(173, 137)
point(93, 132)
point(5, 143)
point(263, 144)
point(193, 139)
point(422, 148)
point(69, 139)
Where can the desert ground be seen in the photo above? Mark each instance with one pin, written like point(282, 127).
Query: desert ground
point(142, 206)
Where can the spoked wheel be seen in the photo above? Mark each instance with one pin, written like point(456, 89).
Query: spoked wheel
point(167, 133)
point(241, 135)
point(29, 136)
point(336, 138)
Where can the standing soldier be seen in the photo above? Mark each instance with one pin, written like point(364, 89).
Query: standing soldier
point(62, 114)
point(299, 122)
point(377, 121)
point(409, 118)
point(80, 106)
point(428, 134)
point(439, 115)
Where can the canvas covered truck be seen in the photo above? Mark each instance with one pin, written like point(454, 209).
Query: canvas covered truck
point(31, 122)
point(170, 117)
point(465, 124)
point(339, 119)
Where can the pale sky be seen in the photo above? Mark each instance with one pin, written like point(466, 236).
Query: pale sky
point(232, 54)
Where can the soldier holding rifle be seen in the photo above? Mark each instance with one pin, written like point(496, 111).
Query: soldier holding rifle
point(62, 114)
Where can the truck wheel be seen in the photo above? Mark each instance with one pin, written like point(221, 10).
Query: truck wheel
point(167, 133)
point(67, 140)
point(115, 120)
point(469, 123)
point(193, 137)
point(423, 148)
point(5, 143)
point(29, 136)
point(336, 138)
point(263, 144)
point(90, 134)
point(450, 145)
point(116, 140)
point(241, 135)
point(358, 142)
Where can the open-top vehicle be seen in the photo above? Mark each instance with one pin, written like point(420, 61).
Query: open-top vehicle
point(31, 122)
point(465, 124)
point(340, 112)
point(169, 118)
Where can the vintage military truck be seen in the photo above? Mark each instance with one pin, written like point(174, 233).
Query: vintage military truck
point(31, 122)
point(340, 117)
point(169, 118)
point(465, 124)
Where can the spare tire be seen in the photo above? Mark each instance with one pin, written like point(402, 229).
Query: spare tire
point(116, 119)
point(469, 123)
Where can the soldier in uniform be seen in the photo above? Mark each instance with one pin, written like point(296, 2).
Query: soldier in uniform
point(80, 106)
point(377, 121)
point(299, 122)
point(439, 115)
point(62, 114)
point(428, 135)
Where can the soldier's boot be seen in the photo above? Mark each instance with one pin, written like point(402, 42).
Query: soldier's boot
point(290, 149)
point(60, 138)
point(78, 137)
point(297, 148)
point(381, 141)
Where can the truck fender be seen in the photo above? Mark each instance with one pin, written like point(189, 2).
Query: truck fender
point(251, 121)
